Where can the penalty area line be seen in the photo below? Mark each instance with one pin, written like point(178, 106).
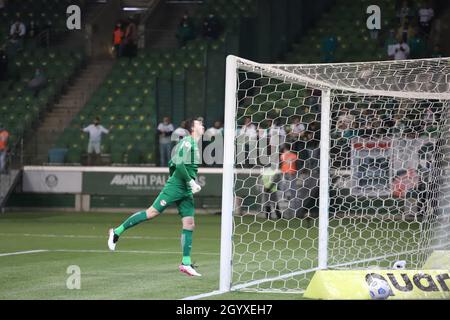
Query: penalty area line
point(21, 252)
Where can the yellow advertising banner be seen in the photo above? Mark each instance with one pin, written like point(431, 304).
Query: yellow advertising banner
point(354, 284)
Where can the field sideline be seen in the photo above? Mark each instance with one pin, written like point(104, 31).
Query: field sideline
point(37, 248)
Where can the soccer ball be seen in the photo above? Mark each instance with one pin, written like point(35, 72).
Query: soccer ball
point(399, 265)
point(379, 289)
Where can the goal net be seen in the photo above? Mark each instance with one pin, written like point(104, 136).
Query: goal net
point(332, 166)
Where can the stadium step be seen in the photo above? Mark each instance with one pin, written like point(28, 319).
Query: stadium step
point(62, 113)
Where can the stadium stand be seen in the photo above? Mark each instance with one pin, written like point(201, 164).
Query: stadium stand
point(19, 107)
point(47, 19)
point(354, 42)
point(187, 81)
point(160, 82)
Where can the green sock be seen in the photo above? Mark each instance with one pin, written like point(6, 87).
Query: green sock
point(133, 220)
point(186, 244)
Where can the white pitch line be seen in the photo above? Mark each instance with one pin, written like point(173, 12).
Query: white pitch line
point(204, 295)
point(44, 235)
point(21, 252)
point(103, 251)
point(129, 251)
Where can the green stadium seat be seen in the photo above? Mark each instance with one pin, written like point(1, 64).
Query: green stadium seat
point(133, 156)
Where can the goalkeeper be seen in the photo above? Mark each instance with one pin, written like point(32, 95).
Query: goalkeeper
point(178, 190)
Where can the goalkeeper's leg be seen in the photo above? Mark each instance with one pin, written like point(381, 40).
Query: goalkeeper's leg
point(186, 210)
point(131, 221)
point(164, 199)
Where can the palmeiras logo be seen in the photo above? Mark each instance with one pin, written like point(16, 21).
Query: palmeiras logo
point(51, 181)
point(163, 203)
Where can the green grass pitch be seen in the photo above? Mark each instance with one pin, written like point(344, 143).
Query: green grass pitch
point(144, 267)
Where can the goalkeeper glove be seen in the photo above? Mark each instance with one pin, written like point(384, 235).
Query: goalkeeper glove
point(194, 186)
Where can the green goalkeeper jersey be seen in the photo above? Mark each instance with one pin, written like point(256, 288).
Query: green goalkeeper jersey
point(183, 166)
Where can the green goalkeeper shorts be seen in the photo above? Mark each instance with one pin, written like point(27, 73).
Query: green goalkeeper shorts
point(175, 194)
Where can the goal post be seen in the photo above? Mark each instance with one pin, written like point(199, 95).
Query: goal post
point(228, 174)
point(324, 181)
point(332, 166)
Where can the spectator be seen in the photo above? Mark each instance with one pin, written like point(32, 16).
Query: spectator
point(270, 179)
point(288, 165)
point(311, 152)
point(345, 119)
point(16, 35)
point(313, 135)
point(38, 82)
point(344, 130)
point(17, 30)
point(118, 38)
point(290, 137)
point(165, 129)
point(214, 131)
point(185, 33)
point(131, 37)
point(247, 140)
point(426, 15)
point(406, 31)
point(430, 116)
point(344, 124)
point(211, 27)
point(341, 130)
point(4, 136)
point(329, 45)
point(297, 128)
point(417, 46)
point(399, 123)
point(3, 65)
point(404, 181)
point(248, 129)
point(95, 131)
point(214, 154)
point(2, 5)
point(185, 30)
point(401, 50)
point(404, 12)
point(277, 135)
point(288, 161)
point(186, 19)
point(180, 132)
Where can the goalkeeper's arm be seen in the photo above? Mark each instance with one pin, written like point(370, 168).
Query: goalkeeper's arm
point(182, 172)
